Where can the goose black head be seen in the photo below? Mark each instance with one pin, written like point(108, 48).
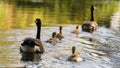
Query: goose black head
point(38, 22)
point(93, 7)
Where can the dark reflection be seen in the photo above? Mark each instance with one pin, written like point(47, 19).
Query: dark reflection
point(105, 22)
point(91, 40)
point(29, 4)
point(33, 57)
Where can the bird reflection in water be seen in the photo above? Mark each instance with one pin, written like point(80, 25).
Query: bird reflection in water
point(30, 57)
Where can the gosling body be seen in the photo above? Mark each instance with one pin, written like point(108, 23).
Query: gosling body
point(60, 34)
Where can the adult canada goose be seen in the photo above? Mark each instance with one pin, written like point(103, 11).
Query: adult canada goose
point(53, 39)
point(90, 26)
point(60, 34)
point(75, 57)
point(33, 44)
point(76, 31)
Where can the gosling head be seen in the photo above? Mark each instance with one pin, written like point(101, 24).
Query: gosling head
point(54, 34)
point(73, 49)
point(60, 29)
point(77, 27)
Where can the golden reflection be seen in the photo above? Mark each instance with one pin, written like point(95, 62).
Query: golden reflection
point(9, 16)
point(6, 43)
point(21, 14)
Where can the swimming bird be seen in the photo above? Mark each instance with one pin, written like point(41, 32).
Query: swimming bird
point(60, 34)
point(75, 57)
point(76, 31)
point(33, 44)
point(90, 26)
point(53, 39)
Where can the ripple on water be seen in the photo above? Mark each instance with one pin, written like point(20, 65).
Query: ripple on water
point(96, 54)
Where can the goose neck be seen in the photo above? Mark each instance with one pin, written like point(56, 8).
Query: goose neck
point(92, 14)
point(38, 31)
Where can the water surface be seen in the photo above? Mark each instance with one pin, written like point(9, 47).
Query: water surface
point(17, 22)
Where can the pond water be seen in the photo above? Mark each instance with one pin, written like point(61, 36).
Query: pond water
point(103, 52)
point(17, 22)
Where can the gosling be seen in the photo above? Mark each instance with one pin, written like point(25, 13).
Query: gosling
point(76, 31)
point(60, 34)
point(53, 39)
point(75, 57)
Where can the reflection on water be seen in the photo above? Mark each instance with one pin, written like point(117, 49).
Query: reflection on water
point(33, 57)
point(19, 16)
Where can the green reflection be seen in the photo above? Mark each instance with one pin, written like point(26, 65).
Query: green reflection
point(22, 13)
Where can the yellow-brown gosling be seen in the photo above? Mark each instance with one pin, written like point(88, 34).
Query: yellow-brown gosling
point(60, 34)
point(53, 39)
point(90, 26)
point(76, 31)
point(33, 44)
point(75, 57)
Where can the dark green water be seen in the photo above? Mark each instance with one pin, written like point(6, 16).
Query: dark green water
point(17, 21)
point(21, 14)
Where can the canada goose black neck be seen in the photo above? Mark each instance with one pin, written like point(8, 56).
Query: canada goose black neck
point(73, 49)
point(60, 29)
point(92, 13)
point(38, 23)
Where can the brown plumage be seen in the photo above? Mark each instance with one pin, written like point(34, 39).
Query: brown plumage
point(60, 34)
point(90, 26)
point(75, 57)
point(76, 31)
point(53, 39)
point(33, 44)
